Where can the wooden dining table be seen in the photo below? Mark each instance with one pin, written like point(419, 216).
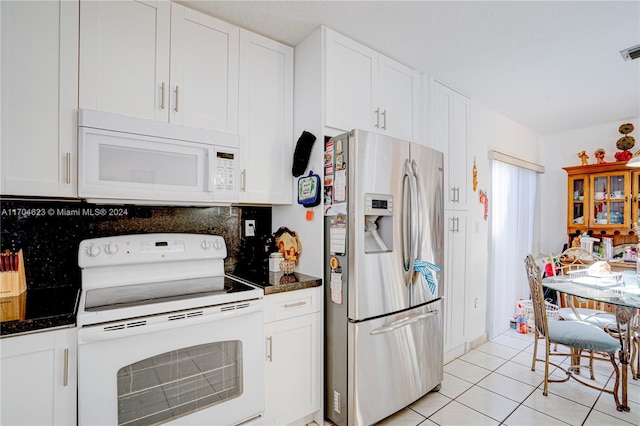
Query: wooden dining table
point(618, 290)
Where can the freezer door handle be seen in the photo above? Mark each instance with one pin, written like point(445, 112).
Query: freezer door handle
point(394, 325)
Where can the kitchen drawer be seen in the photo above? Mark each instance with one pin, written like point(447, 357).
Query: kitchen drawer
point(292, 304)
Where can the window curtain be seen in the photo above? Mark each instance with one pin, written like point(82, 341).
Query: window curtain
point(512, 220)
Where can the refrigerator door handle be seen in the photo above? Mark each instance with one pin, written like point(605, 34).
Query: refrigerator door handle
point(408, 232)
point(405, 221)
point(418, 234)
point(394, 325)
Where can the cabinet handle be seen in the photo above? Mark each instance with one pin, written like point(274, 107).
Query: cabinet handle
point(177, 97)
point(384, 119)
point(162, 95)
point(454, 194)
point(243, 180)
point(270, 351)
point(457, 200)
point(68, 166)
point(377, 111)
point(293, 305)
point(65, 372)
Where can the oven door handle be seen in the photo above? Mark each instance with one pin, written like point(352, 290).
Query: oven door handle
point(138, 326)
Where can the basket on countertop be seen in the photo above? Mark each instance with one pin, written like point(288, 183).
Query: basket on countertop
point(526, 311)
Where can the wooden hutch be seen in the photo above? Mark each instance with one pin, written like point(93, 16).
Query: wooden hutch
point(603, 200)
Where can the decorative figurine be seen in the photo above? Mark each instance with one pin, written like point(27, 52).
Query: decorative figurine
point(599, 154)
point(484, 199)
point(582, 155)
point(475, 175)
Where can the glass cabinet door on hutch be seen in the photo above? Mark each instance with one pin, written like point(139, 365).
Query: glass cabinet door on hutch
point(577, 193)
point(635, 197)
point(610, 195)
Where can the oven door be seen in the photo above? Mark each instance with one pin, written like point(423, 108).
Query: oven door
point(201, 366)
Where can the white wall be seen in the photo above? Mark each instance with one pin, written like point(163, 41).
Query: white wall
point(489, 130)
point(561, 150)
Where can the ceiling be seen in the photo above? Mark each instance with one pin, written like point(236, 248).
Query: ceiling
point(551, 66)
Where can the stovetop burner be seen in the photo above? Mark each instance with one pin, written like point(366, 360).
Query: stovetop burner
point(103, 299)
point(131, 276)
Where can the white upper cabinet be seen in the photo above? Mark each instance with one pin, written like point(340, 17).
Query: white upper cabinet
point(398, 99)
point(204, 71)
point(367, 90)
point(450, 123)
point(160, 61)
point(351, 74)
point(265, 120)
point(39, 97)
point(124, 57)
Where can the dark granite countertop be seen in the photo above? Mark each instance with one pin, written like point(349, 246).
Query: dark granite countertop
point(277, 282)
point(39, 309)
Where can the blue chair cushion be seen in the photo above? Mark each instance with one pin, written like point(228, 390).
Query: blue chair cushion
point(592, 316)
point(581, 335)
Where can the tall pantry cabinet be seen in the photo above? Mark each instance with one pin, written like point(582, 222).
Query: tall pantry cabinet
point(449, 127)
point(39, 62)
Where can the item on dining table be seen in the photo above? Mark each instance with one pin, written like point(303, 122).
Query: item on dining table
point(599, 269)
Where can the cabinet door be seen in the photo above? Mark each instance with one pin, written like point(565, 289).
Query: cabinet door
point(450, 124)
point(635, 197)
point(399, 91)
point(292, 366)
point(204, 71)
point(39, 97)
point(455, 281)
point(124, 57)
point(609, 200)
point(265, 120)
point(351, 84)
point(39, 378)
point(577, 212)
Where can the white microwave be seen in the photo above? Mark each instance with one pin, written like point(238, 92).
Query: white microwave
point(125, 159)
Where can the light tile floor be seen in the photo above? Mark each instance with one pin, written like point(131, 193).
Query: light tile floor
point(494, 385)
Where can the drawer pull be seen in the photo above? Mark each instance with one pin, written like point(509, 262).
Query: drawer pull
point(293, 305)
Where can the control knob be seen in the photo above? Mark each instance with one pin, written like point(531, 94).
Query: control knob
point(206, 245)
point(111, 248)
point(93, 250)
point(217, 244)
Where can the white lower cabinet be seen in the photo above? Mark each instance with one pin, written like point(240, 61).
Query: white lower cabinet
point(293, 356)
point(455, 284)
point(38, 378)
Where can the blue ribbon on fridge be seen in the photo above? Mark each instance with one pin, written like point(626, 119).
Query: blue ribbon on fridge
point(428, 271)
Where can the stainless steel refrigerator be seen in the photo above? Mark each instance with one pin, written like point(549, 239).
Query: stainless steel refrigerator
point(384, 230)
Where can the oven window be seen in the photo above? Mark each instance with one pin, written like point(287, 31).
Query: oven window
point(177, 383)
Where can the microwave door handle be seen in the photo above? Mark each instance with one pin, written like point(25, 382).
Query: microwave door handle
point(211, 167)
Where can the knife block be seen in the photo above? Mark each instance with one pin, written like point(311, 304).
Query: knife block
point(13, 283)
point(13, 308)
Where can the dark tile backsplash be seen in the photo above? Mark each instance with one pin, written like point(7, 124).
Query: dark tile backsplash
point(49, 233)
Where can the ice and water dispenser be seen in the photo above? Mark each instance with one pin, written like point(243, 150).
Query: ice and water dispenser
point(378, 223)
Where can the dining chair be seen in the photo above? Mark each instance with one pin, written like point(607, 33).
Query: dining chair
point(578, 336)
point(573, 308)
